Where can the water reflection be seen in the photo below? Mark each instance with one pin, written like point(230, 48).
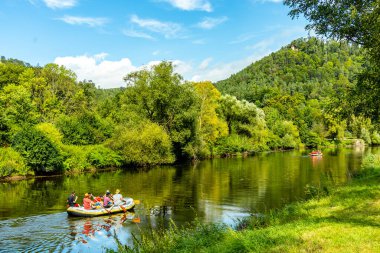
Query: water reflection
point(99, 232)
point(33, 217)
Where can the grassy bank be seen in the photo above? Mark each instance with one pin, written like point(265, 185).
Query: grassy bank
point(345, 220)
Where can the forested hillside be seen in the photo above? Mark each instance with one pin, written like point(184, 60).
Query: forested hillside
point(309, 83)
point(301, 95)
point(309, 67)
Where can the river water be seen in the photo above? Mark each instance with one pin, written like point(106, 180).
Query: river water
point(33, 214)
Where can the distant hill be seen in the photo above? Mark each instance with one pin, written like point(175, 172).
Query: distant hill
point(310, 67)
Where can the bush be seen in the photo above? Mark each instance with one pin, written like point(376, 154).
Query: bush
point(75, 159)
point(85, 129)
point(40, 153)
point(370, 166)
point(233, 144)
point(12, 163)
point(375, 138)
point(146, 144)
point(371, 162)
point(313, 140)
point(81, 158)
point(51, 132)
point(101, 157)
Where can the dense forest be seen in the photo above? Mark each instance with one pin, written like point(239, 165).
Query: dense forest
point(302, 95)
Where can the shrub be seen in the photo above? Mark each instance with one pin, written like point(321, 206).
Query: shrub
point(75, 159)
point(313, 140)
point(370, 166)
point(101, 157)
point(12, 163)
point(81, 158)
point(40, 153)
point(375, 138)
point(146, 144)
point(85, 129)
point(233, 144)
point(51, 132)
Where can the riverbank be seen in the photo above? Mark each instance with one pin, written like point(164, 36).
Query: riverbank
point(345, 219)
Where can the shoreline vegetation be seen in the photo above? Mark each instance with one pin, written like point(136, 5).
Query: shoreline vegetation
point(345, 218)
point(297, 97)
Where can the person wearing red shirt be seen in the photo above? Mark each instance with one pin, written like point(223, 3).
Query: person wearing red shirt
point(87, 202)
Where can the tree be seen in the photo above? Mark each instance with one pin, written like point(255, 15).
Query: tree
point(354, 21)
point(210, 126)
point(241, 116)
point(84, 129)
point(18, 108)
point(160, 96)
point(11, 162)
point(40, 153)
point(145, 144)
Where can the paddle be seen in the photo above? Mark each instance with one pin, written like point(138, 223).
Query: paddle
point(109, 210)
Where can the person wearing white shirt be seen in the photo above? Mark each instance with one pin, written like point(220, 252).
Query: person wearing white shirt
point(118, 198)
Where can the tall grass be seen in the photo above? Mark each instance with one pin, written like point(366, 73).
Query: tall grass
point(175, 239)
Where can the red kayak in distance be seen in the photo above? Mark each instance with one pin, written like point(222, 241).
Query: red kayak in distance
point(316, 153)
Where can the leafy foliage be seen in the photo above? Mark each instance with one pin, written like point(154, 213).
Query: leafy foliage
point(309, 84)
point(12, 163)
point(353, 21)
point(40, 153)
point(145, 144)
point(301, 95)
point(83, 158)
point(159, 96)
point(84, 129)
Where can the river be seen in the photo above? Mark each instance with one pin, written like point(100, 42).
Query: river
point(33, 214)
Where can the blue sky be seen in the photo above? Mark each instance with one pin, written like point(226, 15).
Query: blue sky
point(103, 40)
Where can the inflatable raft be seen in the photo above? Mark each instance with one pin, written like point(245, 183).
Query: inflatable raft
point(81, 212)
point(316, 153)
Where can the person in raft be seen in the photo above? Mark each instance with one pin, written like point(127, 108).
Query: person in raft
point(87, 202)
point(97, 201)
point(72, 199)
point(107, 199)
point(118, 198)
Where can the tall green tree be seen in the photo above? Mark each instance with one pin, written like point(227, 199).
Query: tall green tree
point(161, 96)
point(210, 125)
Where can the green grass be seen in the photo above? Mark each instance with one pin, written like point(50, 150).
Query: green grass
point(346, 220)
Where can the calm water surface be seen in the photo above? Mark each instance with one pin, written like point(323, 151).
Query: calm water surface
point(33, 215)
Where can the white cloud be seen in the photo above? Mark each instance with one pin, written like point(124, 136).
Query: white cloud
point(222, 70)
point(205, 63)
point(60, 4)
point(137, 34)
point(209, 23)
point(168, 29)
point(106, 74)
point(190, 5)
point(109, 74)
point(92, 22)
